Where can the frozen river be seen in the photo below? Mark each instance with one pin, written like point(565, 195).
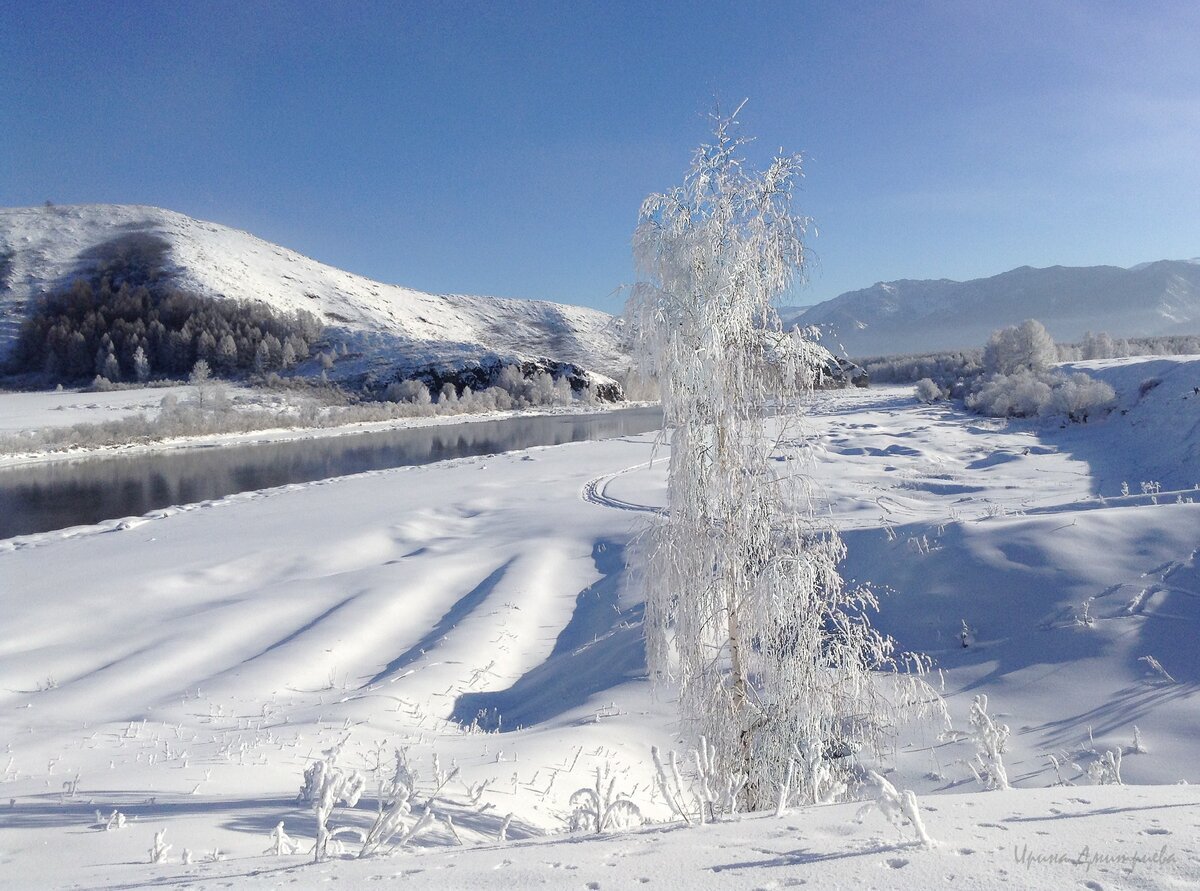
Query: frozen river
point(61, 494)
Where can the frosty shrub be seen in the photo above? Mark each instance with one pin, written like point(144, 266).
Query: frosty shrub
point(745, 608)
point(326, 784)
point(1028, 394)
point(1027, 346)
point(991, 740)
point(928, 391)
point(1020, 394)
point(600, 807)
point(161, 848)
point(1106, 769)
point(411, 391)
point(396, 818)
point(282, 843)
point(900, 808)
point(1080, 395)
point(708, 792)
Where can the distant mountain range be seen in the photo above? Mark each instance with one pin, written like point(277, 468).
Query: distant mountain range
point(910, 316)
point(391, 327)
point(394, 329)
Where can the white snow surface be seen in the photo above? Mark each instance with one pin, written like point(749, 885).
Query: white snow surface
point(47, 243)
point(187, 665)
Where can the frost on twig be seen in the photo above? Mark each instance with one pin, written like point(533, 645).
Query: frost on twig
point(900, 808)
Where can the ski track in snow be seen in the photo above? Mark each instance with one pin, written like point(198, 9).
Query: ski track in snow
point(189, 668)
point(595, 491)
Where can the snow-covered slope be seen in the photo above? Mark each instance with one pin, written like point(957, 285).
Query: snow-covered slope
point(48, 246)
point(184, 668)
point(910, 316)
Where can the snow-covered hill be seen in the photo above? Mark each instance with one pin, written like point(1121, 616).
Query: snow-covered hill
point(43, 247)
point(909, 316)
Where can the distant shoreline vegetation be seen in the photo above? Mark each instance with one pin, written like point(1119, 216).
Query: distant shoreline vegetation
point(948, 367)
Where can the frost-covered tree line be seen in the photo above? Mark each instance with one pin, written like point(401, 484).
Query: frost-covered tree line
point(132, 334)
point(1016, 378)
point(124, 322)
point(775, 656)
point(953, 369)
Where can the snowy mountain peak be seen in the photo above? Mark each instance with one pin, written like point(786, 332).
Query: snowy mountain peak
point(908, 316)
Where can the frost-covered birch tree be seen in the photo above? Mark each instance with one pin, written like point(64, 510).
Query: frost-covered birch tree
point(745, 608)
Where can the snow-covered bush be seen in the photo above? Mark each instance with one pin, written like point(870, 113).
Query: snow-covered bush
point(1027, 347)
point(1106, 769)
point(1027, 394)
point(281, 842)
point(928, 391)
point(160, 849)
point(395, 817)
point(414, 392)
point(708, 792)
point(1079, 396)
point(1020, 394)
point(600, 807)
point(325, 786)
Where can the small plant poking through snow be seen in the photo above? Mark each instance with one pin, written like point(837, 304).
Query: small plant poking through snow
point(281, 842)
point(709, 793)
point(900, 808)
point(990, 742)
point(1157, 668)
point(1106, 770)
point(397, 795)
point(160, 849)
point(1138, 747)
point(325, 785)
point(115, 821)
point(600, 808)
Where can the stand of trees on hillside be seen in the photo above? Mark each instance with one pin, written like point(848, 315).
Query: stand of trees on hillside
point(127, 323)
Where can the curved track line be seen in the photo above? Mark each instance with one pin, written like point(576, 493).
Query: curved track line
point(595, 491)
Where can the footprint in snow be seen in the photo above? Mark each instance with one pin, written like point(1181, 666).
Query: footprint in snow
point(897, 862)
point(1156, 830)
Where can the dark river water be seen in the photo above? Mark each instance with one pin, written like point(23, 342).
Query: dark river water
point(61, 494)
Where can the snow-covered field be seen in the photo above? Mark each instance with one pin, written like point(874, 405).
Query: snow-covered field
point(184, 669)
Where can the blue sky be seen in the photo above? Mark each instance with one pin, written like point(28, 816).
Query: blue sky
point(504, 148)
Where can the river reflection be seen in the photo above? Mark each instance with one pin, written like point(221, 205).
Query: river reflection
point(62, 494)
